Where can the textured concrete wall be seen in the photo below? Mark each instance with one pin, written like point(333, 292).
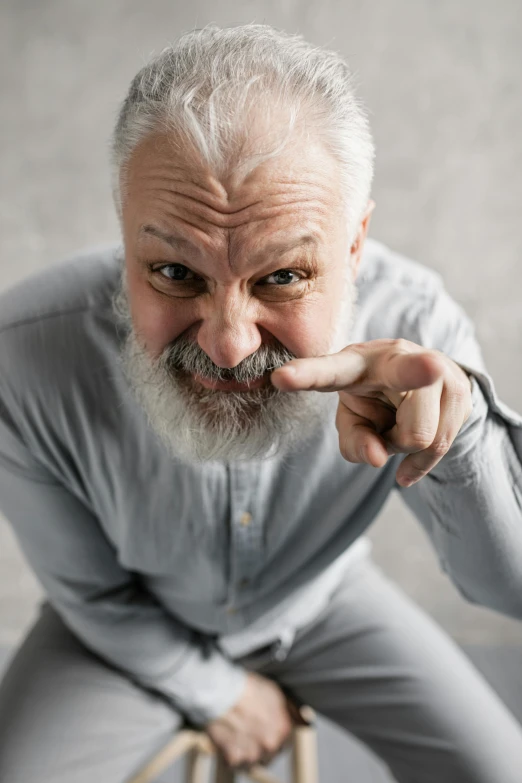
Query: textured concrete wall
point(442, 81)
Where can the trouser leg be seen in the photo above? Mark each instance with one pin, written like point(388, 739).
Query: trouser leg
point(68, 717)
point(379, 667)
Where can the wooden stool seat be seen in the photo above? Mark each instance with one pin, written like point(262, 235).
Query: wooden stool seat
point(199, 750)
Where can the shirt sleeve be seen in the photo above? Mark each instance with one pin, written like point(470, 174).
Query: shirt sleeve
point(470, 504)
point(103, 604)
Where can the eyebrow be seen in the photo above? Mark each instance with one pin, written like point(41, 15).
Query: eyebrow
point(178, 243)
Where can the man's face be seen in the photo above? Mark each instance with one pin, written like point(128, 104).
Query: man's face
point(226, 280)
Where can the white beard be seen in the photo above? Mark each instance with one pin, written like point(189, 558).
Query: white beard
point(197, 424)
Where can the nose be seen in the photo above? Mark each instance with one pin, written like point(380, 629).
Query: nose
point(228, 332)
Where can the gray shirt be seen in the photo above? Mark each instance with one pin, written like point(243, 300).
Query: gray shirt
point(170, 571)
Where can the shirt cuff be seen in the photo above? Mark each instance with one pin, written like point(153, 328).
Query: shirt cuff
point(204, 687)
point(487, 387)
point(467, 444)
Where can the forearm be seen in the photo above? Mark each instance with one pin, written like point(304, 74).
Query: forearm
point(129, 630)
point(104, 606)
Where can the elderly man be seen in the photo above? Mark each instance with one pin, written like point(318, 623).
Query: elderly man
point(197, 428)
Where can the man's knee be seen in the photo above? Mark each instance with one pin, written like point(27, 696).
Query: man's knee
point(66, 717)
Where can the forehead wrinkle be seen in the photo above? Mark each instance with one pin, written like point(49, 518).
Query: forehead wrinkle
point(228, 242)
point(166, 169)
point(224, 200)
point(218, 196)
point(198, 203)
point(184, 204)
point(221, 207)
point(197, 194)
point(203, 217)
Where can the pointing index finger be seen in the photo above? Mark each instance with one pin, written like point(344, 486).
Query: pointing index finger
point(378, 369)
point(321, 373)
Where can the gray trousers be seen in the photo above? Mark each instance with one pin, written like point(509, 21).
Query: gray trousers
point(372, 662)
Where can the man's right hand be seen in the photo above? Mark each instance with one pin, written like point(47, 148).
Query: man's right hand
point(257, 726)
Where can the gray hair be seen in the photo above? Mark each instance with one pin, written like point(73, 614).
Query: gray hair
point(206, 86)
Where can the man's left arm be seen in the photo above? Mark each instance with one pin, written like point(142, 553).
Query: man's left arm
point(470, 503)
point(410, 395)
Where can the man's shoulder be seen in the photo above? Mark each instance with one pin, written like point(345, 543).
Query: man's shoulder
point(58, 323)
point(384, 267)
point(82, 282)
point(58, 344)
point(394, 293)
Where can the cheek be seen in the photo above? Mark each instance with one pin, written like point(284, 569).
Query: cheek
point(155, 318)
point(312, 329)
point(304, 330)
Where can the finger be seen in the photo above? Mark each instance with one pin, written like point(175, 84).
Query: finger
point(376, 369)
point(452, 417)
point(406, 371)
point(375, 410)
point(358, 440)
point(235, 748)
point(416, 420)
point(242, 754)
point(267, 756)
point(321, 373)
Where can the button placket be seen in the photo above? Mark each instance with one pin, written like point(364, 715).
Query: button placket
point(246, 534)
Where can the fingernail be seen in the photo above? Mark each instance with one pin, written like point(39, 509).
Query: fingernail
point(363, 454)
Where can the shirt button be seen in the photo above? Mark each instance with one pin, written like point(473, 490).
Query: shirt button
point(246, 519)
point(231, 610)
point(244, 583)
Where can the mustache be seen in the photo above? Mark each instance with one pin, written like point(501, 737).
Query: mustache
point(187, 356)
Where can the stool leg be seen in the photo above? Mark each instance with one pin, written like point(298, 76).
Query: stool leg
point(197, 766)
point(224, 773)
point(304, 755)
point(181, 743)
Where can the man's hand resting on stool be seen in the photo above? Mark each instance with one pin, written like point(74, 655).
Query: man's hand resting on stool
point(257, 726)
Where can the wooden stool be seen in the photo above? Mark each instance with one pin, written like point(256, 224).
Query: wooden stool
point(200, 750)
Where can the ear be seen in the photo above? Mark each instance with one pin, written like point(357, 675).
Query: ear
point(358, 243)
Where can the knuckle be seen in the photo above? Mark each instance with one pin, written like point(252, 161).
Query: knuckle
point(271, 745)
point(440, 447)
point(233, 757)
point(251, 758)
point(461, 391)
point(400, 345)
point(416, 440)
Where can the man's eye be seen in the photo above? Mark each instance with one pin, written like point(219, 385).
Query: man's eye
point(282, 277)
point(181, 273)
point(176, 272)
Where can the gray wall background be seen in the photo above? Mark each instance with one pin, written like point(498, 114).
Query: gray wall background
point(442, 82)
